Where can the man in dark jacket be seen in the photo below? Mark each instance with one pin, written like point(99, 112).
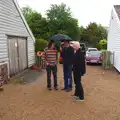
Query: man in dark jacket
point(67, 55)
point(79, 69)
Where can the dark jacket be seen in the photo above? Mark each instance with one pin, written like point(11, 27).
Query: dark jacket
point(79, 62)
point(68, 55)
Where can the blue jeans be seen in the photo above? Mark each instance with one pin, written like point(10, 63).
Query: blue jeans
point(67, 69)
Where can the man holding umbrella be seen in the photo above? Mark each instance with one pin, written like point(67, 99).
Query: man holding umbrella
point(67, 55)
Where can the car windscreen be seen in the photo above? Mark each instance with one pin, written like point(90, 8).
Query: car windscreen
point(92, 50)
point(95, 54)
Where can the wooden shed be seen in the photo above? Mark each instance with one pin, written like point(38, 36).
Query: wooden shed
point(16, 39)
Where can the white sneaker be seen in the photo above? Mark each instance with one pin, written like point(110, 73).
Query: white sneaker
point(78, 99)
point(74, 96)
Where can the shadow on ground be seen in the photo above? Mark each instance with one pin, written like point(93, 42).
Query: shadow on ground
point(30, 75)
point(93, 64)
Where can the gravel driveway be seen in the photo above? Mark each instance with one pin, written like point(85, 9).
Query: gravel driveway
point(33, 102)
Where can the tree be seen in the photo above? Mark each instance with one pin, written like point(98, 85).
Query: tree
point(27, 12)
point(92, 34)
point(103, 44)
point(36, 22)
point(58, 12)
point(40, 44)
point(61, 21)
point(83, 35)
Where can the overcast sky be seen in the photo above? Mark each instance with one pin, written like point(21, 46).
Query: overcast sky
point(85, 11)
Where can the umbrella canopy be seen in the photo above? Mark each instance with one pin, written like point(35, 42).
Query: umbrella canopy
point(60, 37)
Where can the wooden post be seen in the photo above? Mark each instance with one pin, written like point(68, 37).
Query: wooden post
point(106, 62)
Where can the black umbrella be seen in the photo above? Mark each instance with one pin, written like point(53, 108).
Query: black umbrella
point(60, 37)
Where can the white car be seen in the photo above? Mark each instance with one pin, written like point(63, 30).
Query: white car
point(93, 55)
point(90, 50)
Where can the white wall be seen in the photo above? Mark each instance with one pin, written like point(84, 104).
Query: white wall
point(114, 39)
point(11, 23)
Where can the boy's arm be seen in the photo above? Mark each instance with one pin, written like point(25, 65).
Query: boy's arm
point(44, 56)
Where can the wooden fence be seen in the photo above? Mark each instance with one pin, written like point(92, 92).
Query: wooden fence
point(40, 62)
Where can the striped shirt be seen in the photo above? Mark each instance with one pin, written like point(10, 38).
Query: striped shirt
point(50, 56)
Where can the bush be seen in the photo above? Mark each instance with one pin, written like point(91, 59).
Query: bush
point(40, 44)
point(98, 46)
point(102, 45)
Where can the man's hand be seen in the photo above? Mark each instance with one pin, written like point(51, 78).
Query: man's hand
point(47, 63)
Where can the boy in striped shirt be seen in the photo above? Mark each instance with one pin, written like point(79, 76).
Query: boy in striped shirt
point(50, 57)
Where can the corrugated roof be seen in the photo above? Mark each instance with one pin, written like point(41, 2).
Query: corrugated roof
point(117, 8)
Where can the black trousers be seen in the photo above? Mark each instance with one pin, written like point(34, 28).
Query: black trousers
point(78, 85)
point(53, 70)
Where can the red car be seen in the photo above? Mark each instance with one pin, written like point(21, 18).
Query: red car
point(93, 56)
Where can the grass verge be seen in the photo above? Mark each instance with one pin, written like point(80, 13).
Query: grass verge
point(16, 81)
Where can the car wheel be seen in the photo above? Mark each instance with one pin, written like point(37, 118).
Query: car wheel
point(88, 63)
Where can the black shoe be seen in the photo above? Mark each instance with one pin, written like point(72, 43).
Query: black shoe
point(56, 88)
point(1, 89)
point(49, 89)
point(68, 90)
point(63, 89)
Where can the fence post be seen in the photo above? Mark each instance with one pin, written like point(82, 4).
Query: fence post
point(40, 62)
point(106, 63)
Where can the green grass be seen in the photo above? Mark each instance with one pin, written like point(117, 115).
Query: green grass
point(16, 81)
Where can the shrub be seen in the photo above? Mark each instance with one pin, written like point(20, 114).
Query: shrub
point(102, 45)
point(40, 44)
point(98, 46)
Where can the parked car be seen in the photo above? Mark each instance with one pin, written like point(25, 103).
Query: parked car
point(93, 55)
point(91, 49)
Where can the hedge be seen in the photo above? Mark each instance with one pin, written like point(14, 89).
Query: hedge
point(40, 44)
